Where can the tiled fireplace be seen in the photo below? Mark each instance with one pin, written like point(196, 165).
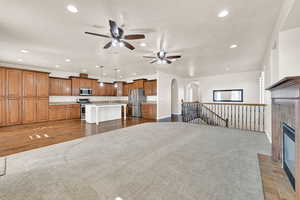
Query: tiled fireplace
point(286, 128)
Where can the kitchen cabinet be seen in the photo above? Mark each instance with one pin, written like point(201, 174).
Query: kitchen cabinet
point(150, 88)
point(149, 111)
point(125, 89)
point(95, 86)
point(64, 112)
point(29, 84)
point(60, 87)
point(14, 83)
point(139, 84)
point(75, 112)
point(29, 110)
point(42, 109)
point(2, 111)
point(130, 87)
point(2, 82)
point(85, 83)
point(75, 86)
point(42, 85)
point(13, 112)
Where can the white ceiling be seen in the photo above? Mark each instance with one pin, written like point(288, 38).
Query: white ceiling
point(192, 28)
point(293, 20)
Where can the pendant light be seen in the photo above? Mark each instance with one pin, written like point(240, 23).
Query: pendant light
point(101, 84)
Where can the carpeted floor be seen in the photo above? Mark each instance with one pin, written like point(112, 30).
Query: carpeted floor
point(153, 161)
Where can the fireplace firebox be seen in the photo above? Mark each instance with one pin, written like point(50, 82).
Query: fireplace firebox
point(289, 156)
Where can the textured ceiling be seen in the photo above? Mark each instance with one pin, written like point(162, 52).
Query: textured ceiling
point(192, 28)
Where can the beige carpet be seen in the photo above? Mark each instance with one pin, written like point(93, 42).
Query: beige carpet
point(154, 161)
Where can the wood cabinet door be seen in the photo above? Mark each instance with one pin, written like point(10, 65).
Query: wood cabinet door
point(75, 112)
point(75, 86)
point(54, 87)
point(85, 83)
point(29, 84)
point(154, 88)
point(42, 110)
point(66, 87)
point(95, 86)
point(148, 88)
point(2, 82)
point(29, 110)
point(42, 85)
point(13, 112)
point(58, 113)
point(2, 111)
point(125, 89)
point(14, 83)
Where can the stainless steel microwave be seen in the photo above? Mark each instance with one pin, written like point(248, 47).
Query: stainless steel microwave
point(85, 92)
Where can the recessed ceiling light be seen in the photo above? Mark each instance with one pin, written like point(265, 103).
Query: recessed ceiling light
point(20, 60)
point(72, 9)
point(118, 198)
point(104, 74)
point(118, 70)
point(233, 46)
point(121, 76)
point(134, 74)
point(97, 66)
point(223, 13)
point(227, 68)
point(68, 60)
point(57, 66)
point(143, 44)
point(24, 51)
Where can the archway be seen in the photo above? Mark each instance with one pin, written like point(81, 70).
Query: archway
point(174, 97)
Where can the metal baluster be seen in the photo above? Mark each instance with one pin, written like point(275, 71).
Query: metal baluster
point(250, 119)
point(255, 119)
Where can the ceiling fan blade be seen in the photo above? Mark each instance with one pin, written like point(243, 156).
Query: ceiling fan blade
point(108, 45)
point(168, 61)
point(152, 57)
point(153, 61)
point(173, 57)
point(112, 24)
point(97, 34)
point(129, 46)
point(134, 37)
point(121, 32)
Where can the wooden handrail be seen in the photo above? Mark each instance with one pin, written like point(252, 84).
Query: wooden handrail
point(233, 104)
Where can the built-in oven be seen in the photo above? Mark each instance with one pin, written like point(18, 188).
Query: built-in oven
point(85, 92)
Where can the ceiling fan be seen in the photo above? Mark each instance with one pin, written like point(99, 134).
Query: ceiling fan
point(162, 58)
point(118, 37)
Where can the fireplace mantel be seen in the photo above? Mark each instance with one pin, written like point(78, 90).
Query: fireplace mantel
point(286, 109)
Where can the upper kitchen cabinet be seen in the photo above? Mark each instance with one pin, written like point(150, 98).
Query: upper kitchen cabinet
point(2, 82)
point(125, 89)
point(150, 88)
point(29, 84)
point(14, 83)
point(42, 85)
point(95, 87)
point(2, 111)
point(85, 83)
point(139, 83)
point(60, 87)
point(75, 86)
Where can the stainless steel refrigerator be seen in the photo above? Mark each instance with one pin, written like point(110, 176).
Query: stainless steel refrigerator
point(135, 99)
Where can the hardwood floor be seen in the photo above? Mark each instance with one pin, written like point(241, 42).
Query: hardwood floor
point(14, 139)
point(276, 185)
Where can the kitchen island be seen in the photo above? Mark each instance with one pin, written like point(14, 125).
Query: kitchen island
point(96, 113)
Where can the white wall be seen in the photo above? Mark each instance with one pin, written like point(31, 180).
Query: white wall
point(249, 81)
point(289, 53)
point(164, 93)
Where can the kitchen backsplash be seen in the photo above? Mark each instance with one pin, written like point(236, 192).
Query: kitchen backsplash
point(93, 98)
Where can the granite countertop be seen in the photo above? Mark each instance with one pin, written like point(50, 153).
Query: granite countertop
point(150, 102)
point(61, 103)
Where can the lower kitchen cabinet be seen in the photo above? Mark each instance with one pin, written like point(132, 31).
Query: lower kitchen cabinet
point(2, 111)
point(13, 114)
point(75, 112)
point(149, 111)
point(42, 110)
point(64, 112)
point(28, 110)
